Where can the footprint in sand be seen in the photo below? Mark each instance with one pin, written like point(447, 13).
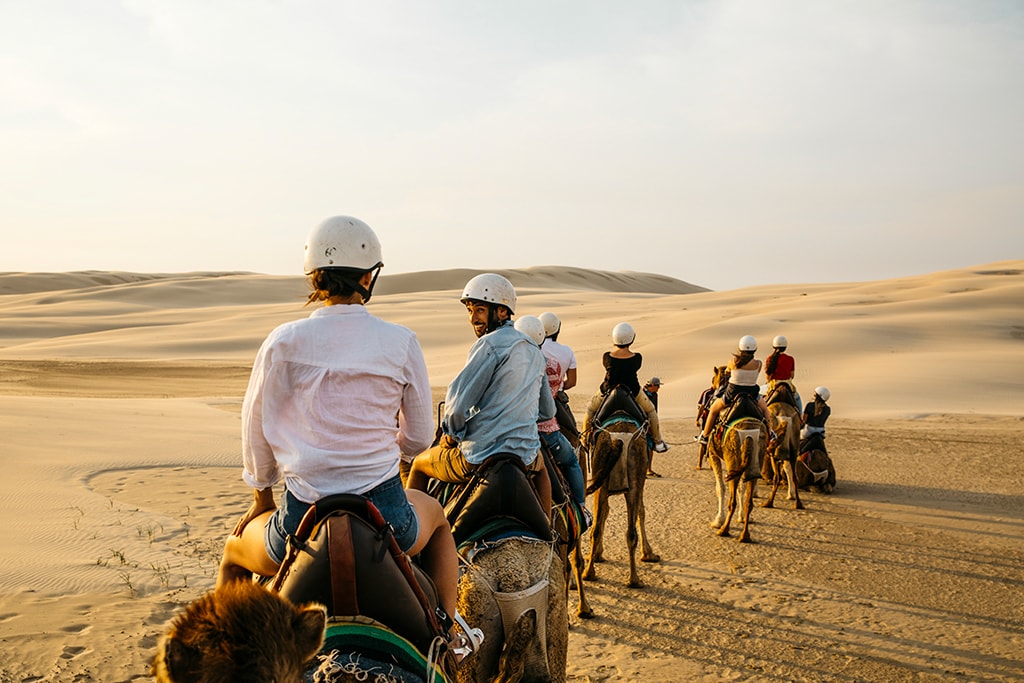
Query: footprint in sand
point(71, 652)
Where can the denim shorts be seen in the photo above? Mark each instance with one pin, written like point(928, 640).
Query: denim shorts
point(388, 497)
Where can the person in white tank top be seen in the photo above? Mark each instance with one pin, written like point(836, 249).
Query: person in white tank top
point(744, 370)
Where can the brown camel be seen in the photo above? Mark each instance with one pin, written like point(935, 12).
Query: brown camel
point(240, 632)
point(619, 442)
point(719, 377)
point(566, 521)
point(736, 458)
point(782, 454)
point(815, 468)
point(243, 631)
point(514, 591)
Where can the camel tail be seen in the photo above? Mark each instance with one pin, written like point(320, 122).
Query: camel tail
point(746, 455)
point(604, 461)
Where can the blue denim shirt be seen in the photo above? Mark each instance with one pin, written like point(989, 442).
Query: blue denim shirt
point(493, 405)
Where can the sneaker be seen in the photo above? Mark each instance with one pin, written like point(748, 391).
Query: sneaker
point(588, 519)
point(466, 643)
point(702, 440)
point(660, 447)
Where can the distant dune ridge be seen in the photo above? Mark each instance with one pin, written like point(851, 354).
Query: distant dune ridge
point(120, 396)
point(943, 342)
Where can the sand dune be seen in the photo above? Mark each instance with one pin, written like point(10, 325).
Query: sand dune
point(119, 407)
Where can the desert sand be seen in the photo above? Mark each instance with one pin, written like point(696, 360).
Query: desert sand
point(120, 396)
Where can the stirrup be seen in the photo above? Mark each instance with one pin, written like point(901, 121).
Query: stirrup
point(702, 440)
point(466, 643)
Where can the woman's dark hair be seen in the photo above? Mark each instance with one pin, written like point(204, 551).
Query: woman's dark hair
point(819, 405)
point(741, 358)
point(773, 360)
point(328, 282)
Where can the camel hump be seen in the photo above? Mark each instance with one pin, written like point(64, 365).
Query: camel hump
point(619, 401)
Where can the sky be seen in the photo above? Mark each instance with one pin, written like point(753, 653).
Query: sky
point(727, 144)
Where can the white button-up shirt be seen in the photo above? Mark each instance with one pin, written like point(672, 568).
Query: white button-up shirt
point(333, 401)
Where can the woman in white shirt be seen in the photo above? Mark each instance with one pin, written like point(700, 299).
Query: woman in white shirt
point(333, 401)
point(744, 369)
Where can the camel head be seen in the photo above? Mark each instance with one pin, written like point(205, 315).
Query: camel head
point(240, 632)
point(720, 375)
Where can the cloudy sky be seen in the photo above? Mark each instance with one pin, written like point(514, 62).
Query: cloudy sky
point(723, 143)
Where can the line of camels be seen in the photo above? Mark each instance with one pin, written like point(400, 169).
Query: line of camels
point(515, 587)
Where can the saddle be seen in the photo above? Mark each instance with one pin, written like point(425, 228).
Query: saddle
point(498, 500)
point(619, 400)
point(812, 442)
point(781, 393)
point(344, 555)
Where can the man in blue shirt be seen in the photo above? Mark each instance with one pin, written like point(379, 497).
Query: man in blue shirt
point(493, 405)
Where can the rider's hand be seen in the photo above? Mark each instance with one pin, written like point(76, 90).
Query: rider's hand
point(263, 501)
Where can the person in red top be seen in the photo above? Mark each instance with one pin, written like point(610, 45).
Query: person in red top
point(780, 367)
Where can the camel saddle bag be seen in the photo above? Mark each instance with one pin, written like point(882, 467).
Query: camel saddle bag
point(344, 556)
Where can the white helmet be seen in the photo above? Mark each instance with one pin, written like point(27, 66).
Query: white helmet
point(342, 242)
point(623, 334)
point(532, 327)
point(551, 323)
point(823, 393)
point(490, 288)
point(747, 343)
point(780, 342)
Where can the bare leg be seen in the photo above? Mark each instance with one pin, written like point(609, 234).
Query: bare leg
point(247, 553)
point(436, 548)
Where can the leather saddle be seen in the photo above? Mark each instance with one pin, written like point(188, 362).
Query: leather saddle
point(619, 400)
point(344, 556)
point(744, 406)
point(499, 500)
point(781, 393)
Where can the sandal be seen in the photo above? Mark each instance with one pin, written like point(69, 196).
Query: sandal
point(654, 474)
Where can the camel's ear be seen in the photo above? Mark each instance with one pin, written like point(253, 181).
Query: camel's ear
point(183, 663)
point(310, 623)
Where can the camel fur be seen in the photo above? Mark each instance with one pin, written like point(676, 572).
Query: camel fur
point(736, 459)
point(524, 646)
point(240, 632)
point(782, 456)
point(608, 444)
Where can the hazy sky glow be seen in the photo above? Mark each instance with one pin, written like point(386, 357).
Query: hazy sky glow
point(848, 140)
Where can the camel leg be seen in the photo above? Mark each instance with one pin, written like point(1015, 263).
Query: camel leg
point(748, 505)
point(597, 533)
point(774, 465)
point(730, 509)
point(583, 610)
point(716, 467)
point(794, 492)
point(648, 552)
point(631, 539)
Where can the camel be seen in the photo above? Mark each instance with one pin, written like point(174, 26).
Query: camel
point(566, 523)
point(814, 468)
point(736, 457)
point(719, 377)
point(625, 439)
point(514, 591)
point(241, 631)
point(244, 631)
point(512, 585)
point(782, 454)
